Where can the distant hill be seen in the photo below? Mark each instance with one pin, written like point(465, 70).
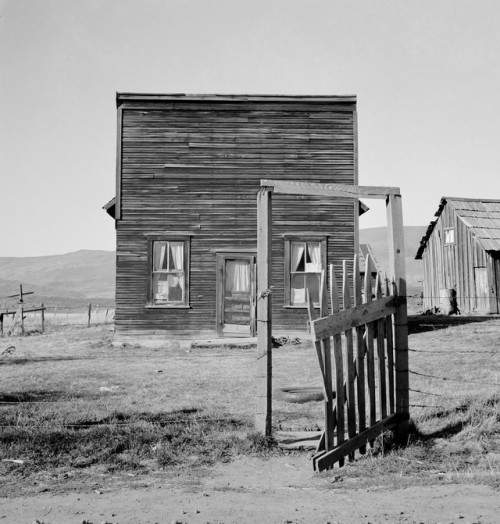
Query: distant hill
point(377, 238)
point(73, 277)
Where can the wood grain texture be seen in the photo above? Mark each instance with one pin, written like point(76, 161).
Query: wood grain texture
point(263, 417)
point(328, 190)
point(397, 267)
point(195, 166)
point(350, 364)
point(354, 317)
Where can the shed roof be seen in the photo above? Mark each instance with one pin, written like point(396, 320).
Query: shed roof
point(481, 216)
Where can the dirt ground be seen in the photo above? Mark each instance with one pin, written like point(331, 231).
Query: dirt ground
point(249, 490)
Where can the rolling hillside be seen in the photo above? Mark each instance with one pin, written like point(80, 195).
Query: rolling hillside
point(71, 277)
point(82, 275)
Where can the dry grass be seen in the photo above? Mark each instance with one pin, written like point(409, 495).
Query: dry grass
point(71, 401)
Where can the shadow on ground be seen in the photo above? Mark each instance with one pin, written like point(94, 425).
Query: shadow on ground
point(422, 323)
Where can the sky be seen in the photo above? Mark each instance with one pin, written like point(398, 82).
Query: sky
point(426, 74)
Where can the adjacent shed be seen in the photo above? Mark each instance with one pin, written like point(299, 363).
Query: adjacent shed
point(188, 173)
point(461, 252)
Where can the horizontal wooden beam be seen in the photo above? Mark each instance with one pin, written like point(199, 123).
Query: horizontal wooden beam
point(356, 316)
point(328, 190)
point(6, 313)
point(326, 460)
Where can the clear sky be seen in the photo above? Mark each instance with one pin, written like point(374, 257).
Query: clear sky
point(426, 73)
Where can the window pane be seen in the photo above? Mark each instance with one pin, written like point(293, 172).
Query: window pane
point(297, 290)
point(237, 276)
point(160, 260)
point(313, 263)
point(297, 262)
point(176, 255)
point(160, 287)
point(312, 284)
point(175, 288)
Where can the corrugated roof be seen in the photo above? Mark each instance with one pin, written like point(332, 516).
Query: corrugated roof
point(481, 216)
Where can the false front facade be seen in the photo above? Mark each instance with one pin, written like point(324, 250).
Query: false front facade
point(188, 173)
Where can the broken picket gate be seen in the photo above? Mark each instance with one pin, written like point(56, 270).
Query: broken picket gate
point(360, 372)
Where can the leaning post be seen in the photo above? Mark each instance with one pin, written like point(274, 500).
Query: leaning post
point(263, 416)
point(397, 268)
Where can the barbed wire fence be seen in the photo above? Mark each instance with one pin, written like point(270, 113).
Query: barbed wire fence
point(22, 319)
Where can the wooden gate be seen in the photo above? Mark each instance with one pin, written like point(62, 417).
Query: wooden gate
point(370, 320)
point(362, 371)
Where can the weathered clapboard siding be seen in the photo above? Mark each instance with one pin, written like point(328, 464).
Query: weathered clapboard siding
point(192, 167)
point(452, 266)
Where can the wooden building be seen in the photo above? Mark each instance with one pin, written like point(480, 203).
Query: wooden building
point(188, 173)
point(461, 252)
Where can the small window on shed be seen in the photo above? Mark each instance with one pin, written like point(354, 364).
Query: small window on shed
point(169, 273)
point(305, 258)
point(449, 236)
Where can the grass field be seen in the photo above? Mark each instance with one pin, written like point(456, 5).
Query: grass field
point(71, 403)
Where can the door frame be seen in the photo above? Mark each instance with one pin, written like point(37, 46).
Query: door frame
point(222, 257)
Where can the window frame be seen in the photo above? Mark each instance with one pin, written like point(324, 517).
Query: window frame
point(322, 240)
point(446, 232)
point(186, 241)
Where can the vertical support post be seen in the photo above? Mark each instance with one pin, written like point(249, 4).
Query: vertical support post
point(89, 314)
point(397, 268)
point(43, 318)
point(22, 318)
point(263, 416)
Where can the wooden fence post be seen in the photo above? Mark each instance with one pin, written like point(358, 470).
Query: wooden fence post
point(263, 418)
point(43, 318)
point(89, 314)
point(397, 268)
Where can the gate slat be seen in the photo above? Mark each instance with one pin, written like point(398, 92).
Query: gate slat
point(382, 389)
point(327, 362)
point(317, 345)
point(360, 354)
point(339, 363)
point(326, 460)
point(390, 352)
point(351, 401)
point(370, 363)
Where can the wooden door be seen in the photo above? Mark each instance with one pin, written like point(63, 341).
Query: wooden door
point(482, 291)
point(236, 295)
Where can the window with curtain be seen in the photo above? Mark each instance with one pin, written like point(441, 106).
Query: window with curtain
point(305, 259)
point(169, 272)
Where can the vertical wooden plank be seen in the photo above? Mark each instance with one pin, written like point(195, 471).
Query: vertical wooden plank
point(119, 127)
point(397, 267)
point(382, 387)
point(370, 360)
point(351, 401)
point(253, 298)
point(43, 317)
point(89, 313)
point(360, 354)
point(327, 360)
point(263, 419)
point(22, 315)
point(317, 345)
point(219, 293)
point(390, 352)
point(339, 365)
